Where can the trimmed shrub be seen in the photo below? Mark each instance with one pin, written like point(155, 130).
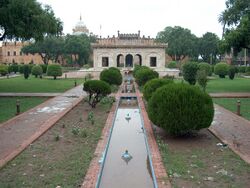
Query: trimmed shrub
point(44, 67)
point(20, 68)
point(97, 89)
point(3, 70)
point(172, 65)
point(247, 70)
point(202, 79)
point(112, 76)
point(242, 69)
point(54, 70)
point(231, 72)
point(189, 71)
point(180, 109)
point(206, 67)
point(13, 68)
point(151, 86)
point(137, 68)
point(143, 75)
point(221, 69)
point(26, 71)
point(37, 70)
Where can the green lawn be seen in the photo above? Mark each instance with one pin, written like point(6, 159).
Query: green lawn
point(36, 85)
point(230, 104)
point(8, 105)
point(220, 85)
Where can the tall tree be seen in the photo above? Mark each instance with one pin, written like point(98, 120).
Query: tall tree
point(181, 42)
point(236, 23)
point(208, 47)
point(49, 49)
point(28, 19)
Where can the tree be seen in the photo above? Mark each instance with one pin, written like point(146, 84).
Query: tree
point(208, 47)
point(49, 49)
point(26, 71)
point(189, 71)
point(28, 19)
point(37, 70)
point(112, 76)
point(181, 42)
point(97, 89)
point(202, 79)
point(54, 70)
point(78, 47)
point(221, 69)
point(236, 25)
point(143, 75)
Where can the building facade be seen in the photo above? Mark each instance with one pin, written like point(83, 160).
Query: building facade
point(127, 50)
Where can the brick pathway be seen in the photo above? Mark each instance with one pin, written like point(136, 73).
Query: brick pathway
point(232, 130)
point(17, 133)
point(230, 95)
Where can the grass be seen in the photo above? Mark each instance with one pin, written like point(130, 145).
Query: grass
point(224, 85)
point(231, 104)
point(8, 105)
point(190, 161)
point(36, 85)
point(62, 155)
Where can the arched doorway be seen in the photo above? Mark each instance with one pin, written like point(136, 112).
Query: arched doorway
point(129, 60)
point(120, 60)
point(138, 59)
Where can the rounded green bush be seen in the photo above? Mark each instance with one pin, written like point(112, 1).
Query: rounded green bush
point(26, 71)
point(37, 70)
point(13, 68)
point(189, 71)
point(231, 72)
point(206, 67)
point(54, 70)
point(143, 75)
point(44, 67)
point(20, 68)
point(172, 65)
point(137, 68)
point(112, 76)
point(242, 69)
point(221, 69)
point(151, 86)
point(3, 70)
point(180, 109)
point(248, 70)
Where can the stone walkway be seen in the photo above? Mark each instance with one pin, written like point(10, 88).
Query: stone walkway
point(233, 130)
point(17, 133)
point(230, 95)
point(30, 94)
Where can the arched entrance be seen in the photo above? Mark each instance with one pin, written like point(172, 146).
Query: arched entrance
point(129, 61)
point(138, 59)
point(120, 60)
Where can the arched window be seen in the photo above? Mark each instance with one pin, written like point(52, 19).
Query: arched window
point(138, 59)
point(120, 60)
point(129, 60)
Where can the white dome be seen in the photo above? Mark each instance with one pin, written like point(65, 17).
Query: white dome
point(80, 28)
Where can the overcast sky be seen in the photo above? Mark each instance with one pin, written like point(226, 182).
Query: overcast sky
point(105, 17)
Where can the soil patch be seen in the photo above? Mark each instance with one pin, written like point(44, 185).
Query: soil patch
point(199, 161)
point(62, 155)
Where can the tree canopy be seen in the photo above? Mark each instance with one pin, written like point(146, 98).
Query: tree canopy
point(28, 19)
point(236, 25)
point(181, 42)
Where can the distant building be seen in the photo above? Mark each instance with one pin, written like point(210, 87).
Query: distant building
point(10, 52)
point(80, 28)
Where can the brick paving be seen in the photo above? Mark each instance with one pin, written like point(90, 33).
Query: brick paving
point(20, 131)
point(233, 130)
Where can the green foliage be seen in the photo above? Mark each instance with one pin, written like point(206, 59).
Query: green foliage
point(172, 65)
point(145, 74)
point(231, 72)
point(242, 69)
point(37, 70)
point(202, 79)
point(44, 67)
point(209, 47)
point(108, 100)
point(91, 117)
point(54, 70)
point(221, 69)
point(20, 68)
point(13, 68)
point(97, 89)
point(112, 76)
point(189, 71)
point(152, 85)
point(181, 42)
point(28, 19)
point(137, 68)
point(26, 71)
point(206, 67)
point(248, 70)
point(3, 70)
point(180, 109)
